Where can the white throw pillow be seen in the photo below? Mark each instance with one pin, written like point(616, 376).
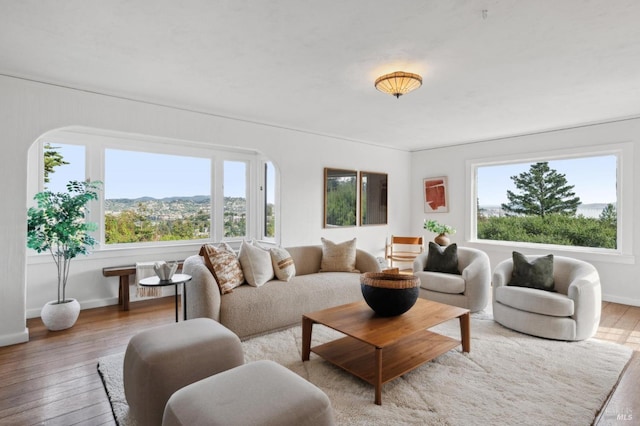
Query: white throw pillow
point(256, 264)
point(283, 264)
point(338, 257)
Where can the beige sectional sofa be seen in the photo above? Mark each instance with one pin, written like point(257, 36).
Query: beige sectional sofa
point(250, 311)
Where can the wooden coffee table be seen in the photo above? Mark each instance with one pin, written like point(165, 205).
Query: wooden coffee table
point(378, 349)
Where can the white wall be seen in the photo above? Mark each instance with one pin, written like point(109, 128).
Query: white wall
point(29, 109)
point(618, 274)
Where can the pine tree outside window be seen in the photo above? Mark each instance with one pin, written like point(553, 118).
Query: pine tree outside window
point(567, 202)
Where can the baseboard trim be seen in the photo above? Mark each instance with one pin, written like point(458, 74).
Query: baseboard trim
point(88, 304)
point(621, 300)
point(15, 338)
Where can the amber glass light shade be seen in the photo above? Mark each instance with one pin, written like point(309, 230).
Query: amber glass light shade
point(398, 83)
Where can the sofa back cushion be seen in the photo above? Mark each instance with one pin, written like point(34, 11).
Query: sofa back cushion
point(306, 259)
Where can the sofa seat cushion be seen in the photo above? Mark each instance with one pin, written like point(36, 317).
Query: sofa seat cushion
point(441, 282)
point(535, 301)
point(249, 311)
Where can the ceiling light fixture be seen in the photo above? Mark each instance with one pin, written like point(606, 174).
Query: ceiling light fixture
point(398, 83)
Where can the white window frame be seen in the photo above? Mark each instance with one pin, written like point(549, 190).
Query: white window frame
point(624, 195)
point(249, 189)
point(96, 142)
point(262, 200)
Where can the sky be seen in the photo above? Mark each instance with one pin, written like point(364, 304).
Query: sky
point(594, 179)
point(131, 174)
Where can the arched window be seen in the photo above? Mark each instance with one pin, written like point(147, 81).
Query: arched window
point(159, 192)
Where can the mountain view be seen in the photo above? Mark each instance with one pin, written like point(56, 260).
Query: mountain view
point(587, 210)
point(171, 218)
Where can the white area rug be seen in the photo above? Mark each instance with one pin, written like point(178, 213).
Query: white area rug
point(507, 379)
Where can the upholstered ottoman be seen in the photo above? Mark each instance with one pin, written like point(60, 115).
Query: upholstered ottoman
point(259, 393)
point(161, 360)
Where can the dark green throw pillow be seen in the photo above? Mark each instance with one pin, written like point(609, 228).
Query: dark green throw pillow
point(535, 274)
point(442, 259)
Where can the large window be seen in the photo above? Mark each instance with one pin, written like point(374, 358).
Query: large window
point(155, 197)
point(157, 193)
point(570, 201)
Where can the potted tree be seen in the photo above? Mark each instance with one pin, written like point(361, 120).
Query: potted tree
point(57, 225)
point(440, 229)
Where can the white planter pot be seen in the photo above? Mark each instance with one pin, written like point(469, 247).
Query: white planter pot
point(60, 316)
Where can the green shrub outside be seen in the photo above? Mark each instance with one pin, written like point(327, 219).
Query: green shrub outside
point(557, 229)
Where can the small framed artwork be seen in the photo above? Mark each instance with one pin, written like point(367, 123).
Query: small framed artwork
point(435, 195)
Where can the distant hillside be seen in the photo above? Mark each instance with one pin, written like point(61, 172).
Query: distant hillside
point(587, 210)
point(194, 199)
point(172, 207)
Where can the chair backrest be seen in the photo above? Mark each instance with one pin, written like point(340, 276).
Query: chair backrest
point(404, 249)
point(406, 240)
point(565, 271)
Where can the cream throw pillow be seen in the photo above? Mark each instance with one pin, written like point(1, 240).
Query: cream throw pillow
point(223, 264)
point(338, 257)
point(283, 264)
point(256, 264)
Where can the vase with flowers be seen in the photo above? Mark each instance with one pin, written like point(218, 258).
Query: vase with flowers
point(442, 230)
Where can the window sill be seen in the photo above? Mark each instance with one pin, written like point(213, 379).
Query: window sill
point(583, 253)
point(170, 251)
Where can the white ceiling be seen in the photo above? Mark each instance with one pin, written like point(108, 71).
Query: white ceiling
point(491, 68)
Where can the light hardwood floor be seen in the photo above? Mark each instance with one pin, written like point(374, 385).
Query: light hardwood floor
point(621, 324)
point(53, 379)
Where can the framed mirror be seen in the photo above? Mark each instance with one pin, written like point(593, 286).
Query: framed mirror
point(373, 198)
point(340, 197)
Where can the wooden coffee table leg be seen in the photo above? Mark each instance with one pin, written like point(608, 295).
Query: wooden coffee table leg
point(307, 326)
point(465, 331)
point(378, 367)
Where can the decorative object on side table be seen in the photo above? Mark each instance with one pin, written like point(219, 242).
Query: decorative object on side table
point(389, 294)
point(165, 270)
point(57, 225)
point(440, 229)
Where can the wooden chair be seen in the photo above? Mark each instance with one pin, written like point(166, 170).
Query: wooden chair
point(403, 249)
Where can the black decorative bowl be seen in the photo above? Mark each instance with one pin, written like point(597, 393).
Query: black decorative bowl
point(389, 295)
